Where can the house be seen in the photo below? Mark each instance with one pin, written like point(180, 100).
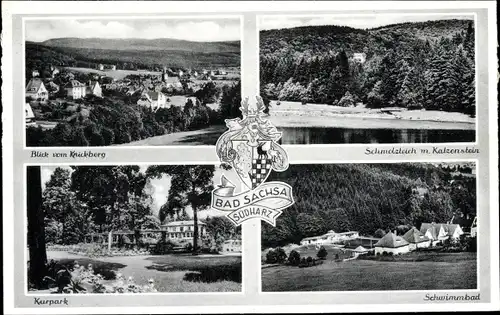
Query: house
point(473, 228)
point(154, 100)
point(435, 232)
point(231, 246)
point(314, 240)
point(75, 89)
point(100, 67)
point(36, 90)
point(330, 237)
point(112, 67)
point(416, 239)
point(35, 73)
point(94, 88)
point(360, 250)
point(183, 231)
point(172, 82)
point(391, 243)
point(359, 57)
point(180, 73)
point(454, 231)
point(29, 115)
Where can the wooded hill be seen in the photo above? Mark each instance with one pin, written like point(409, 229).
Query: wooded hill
point(131, 54)
point(414, 65)
point(367, 197)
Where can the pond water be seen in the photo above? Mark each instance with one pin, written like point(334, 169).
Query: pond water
point(344, 135)
point(308, 135)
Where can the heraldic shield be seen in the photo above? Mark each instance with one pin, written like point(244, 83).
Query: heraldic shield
point(250, 146)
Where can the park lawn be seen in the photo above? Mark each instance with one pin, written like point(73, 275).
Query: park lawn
point(172, 273)
point(419, 272)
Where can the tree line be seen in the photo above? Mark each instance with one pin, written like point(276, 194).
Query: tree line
point(427, 65)
point(366, 198)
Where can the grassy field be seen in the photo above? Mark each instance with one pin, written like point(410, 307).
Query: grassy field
point(115, 74)
point(171, 273)
point(415, 271)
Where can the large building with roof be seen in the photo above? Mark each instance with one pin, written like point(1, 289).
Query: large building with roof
point(416, 239)
point(75, 89)
point(391, 243)
point(183, 231)
point(153, 100)
point(438, 232)
point(331, 237)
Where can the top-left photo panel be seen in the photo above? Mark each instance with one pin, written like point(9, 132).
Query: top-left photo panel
point(130, 81)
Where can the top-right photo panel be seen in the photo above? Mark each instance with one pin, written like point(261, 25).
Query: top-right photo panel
point(379, 78)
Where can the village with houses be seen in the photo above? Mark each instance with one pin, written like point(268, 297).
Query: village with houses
point(152, 89)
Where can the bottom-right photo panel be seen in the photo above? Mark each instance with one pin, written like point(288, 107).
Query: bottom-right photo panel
point(378, 227)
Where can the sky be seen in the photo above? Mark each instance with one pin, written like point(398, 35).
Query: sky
point(221, 29)
point(161, 187)
point(360, 21)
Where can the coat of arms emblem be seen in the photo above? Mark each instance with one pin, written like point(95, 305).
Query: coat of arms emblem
point(251, 147)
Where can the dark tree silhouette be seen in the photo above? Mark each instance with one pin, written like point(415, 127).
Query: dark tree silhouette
point(36, 230)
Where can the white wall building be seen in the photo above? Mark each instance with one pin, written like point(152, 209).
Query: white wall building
point(36, 90)
point(183, 231)
point(391, 243)
point(416, 239)
point(75, 89)
point(231, 246)
point(154, 100)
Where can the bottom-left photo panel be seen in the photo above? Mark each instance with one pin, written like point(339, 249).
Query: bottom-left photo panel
point(128, 229)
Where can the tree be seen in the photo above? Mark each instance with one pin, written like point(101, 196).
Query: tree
point(294, 258)
point(322, 253)
point(347, 100)
point(36, 232)
point(190, 185)
point(221, 229)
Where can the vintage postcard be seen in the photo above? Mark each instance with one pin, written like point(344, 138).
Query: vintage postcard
point(174, 157)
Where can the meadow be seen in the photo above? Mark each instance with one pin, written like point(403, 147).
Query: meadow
point(414, 271)
point(171, 273)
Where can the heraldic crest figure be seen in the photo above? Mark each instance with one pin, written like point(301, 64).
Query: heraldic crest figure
point(251, 147)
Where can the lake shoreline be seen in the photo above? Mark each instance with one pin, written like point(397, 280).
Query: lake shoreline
point(296, 115)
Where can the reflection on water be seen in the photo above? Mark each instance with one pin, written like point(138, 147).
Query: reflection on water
point(343, 135)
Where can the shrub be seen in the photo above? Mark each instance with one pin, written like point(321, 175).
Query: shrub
point(303, 263)
point(280, 255)
point(322, 253)
point(162, 247)
point(294, 258)
point(310, 261)
point(271, 257)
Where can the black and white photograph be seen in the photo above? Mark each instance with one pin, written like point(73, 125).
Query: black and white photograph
point(374, 227)
point(132, 82)
point(128, 229)
point(378, 78)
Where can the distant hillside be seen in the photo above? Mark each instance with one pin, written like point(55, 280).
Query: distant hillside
point(366, 197)
point(131, 53)
point(145, 44)
point(413, 65)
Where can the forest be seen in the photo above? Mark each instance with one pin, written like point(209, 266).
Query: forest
point(117, 119)
point(369, 197)
point(425, 65)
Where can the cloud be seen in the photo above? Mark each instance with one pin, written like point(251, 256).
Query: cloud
point(356, 21)
point(222, 29)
